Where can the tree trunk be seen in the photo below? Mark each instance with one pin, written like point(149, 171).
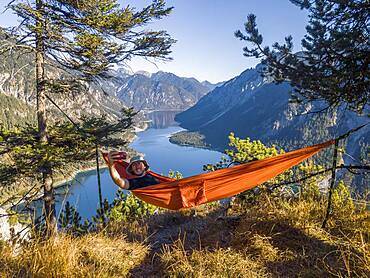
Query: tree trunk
point(332, 183)
point(99, 181)
point(47, 179)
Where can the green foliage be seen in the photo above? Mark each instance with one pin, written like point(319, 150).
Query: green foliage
point(333, 62)
point(29, 156)
point(126, 207)
point(102, 214)
point(87, 36)
point(70, 221)
point(175, 174)
point(105, 132)
point(12, 218)
point(245, 150)
point(342, 201)
point(67, 144)
point(242, 151)
point(309, 188)
point(83, 38)
point(188, 138)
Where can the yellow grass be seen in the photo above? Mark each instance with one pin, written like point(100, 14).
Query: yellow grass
point(209, 263)
point(270, 237)
point(274, 238)
point(94, 255)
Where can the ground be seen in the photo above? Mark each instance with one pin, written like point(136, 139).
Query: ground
point(265, 238)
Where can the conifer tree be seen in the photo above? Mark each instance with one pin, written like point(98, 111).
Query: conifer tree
point(333, 65)
point(84, 38)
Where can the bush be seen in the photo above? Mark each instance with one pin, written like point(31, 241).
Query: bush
point(126, 207)
point(342, 201)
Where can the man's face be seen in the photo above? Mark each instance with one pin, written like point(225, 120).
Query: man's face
point(138, 168)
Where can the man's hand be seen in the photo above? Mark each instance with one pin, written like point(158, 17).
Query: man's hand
point(114, 156)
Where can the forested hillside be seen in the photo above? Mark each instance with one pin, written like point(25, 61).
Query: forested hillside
point(252, 106)
point(15, 112)
point(17, 80)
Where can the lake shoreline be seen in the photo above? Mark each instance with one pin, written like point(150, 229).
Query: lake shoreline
point(162, 155)
point(193, 139)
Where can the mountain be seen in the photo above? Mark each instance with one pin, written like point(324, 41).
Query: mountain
point(141, 90)
point(210, 85)
point(18, 92)
point(160, 91)
point(252, 106)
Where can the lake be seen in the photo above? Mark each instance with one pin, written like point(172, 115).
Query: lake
point(162, 156)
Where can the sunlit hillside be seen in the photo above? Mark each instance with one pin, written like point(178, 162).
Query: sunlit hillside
point(267, 236)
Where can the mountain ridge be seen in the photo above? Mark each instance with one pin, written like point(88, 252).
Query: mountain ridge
point(160, 91)
point(253, 106)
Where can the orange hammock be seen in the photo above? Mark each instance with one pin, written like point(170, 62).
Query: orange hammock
point(207, 187)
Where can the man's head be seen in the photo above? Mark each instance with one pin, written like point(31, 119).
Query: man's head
point(138, 166)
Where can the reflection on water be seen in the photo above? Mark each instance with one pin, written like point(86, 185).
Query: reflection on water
point(162, 119)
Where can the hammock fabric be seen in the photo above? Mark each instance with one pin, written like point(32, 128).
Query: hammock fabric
point(207, 187)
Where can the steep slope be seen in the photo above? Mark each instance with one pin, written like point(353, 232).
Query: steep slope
point(15, 112)
point(251, 106)
point(17, 80)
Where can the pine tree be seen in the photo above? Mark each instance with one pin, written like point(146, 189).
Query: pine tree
point(84, 38)
point(334, 63)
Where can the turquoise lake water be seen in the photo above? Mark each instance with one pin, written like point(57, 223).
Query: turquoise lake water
point(162, 156)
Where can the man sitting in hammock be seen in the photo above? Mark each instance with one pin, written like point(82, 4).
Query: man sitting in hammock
point(138, 168)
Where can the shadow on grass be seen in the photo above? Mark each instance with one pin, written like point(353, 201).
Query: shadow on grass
point(283, 250)
point(296, 252)
point(165, 229)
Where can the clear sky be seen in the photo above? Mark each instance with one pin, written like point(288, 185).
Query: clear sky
point(206, 47)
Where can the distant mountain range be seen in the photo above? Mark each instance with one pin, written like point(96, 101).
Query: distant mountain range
point(252, 106)
point(161, 91)
point(143, 91)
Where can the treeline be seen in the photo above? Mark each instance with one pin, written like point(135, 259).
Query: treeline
point(14, 112)
point(187, 138)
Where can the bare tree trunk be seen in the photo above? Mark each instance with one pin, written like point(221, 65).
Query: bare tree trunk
point(332, 183)
point(99, 181)
point(47, 179)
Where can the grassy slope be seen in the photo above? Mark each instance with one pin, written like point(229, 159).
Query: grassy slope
point(269, 238)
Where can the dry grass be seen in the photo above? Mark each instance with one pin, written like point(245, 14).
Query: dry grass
point(208, 263)
point(287, 238)
point(269, 238)
point(64, 256)
point(273, 238)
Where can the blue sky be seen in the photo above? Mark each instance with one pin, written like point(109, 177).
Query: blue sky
point(206, 47)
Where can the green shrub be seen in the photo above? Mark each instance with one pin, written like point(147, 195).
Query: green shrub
point(126, 207)
point(341, 200)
